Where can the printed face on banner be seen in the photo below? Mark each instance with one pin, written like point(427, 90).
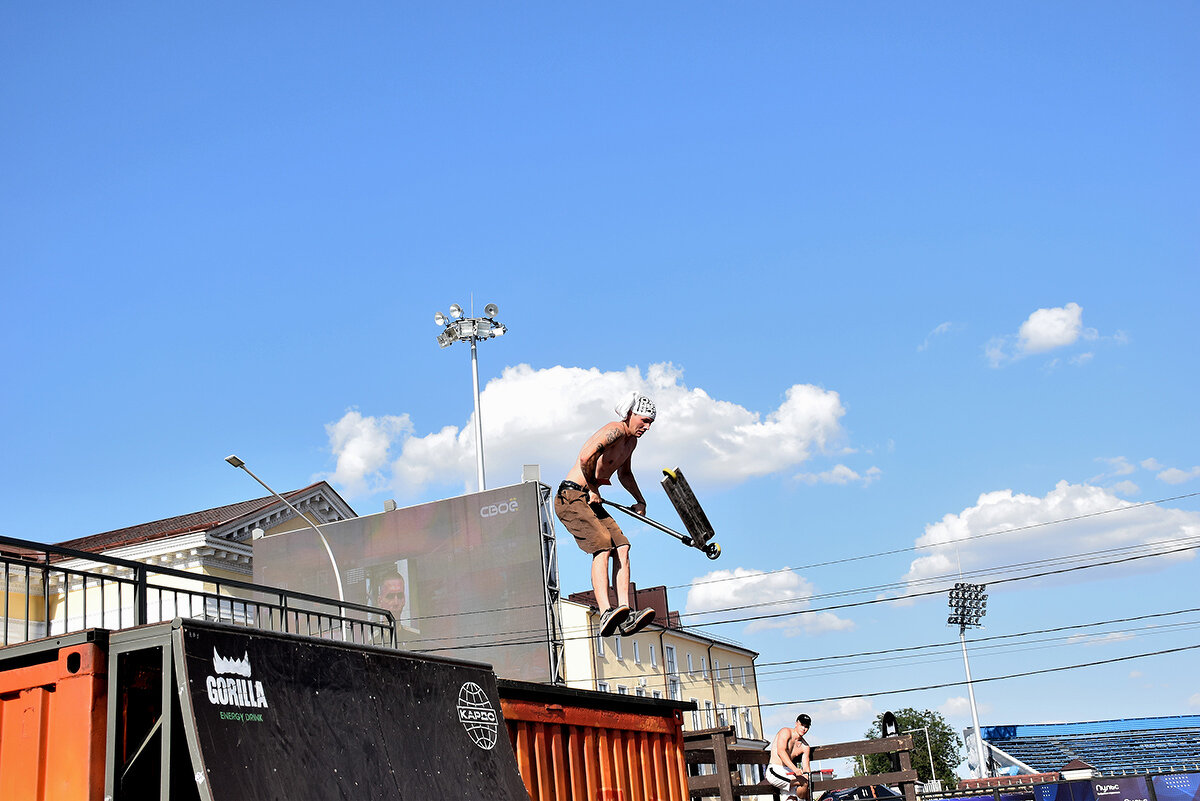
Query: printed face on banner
point(462, 577)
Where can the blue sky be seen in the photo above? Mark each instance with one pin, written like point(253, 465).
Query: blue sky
point(896, 274)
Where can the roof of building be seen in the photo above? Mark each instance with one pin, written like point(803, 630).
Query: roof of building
point(180, 524)
point(1111, 747)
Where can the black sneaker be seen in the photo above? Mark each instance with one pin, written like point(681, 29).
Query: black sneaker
point(636, 622)
point(611, 619)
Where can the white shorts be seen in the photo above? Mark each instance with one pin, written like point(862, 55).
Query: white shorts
point(779, 778)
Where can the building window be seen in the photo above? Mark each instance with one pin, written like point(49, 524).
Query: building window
point(602, 686)
point(708, 714)
point(722, 720)
point(599, 645)
point(717, 669)
point(622, 689)
point(653, 657)
point(743, 675)
point(617, 646)
point(655, 694)
point(669, 655)
point(704, 667)
point(690, 671)
point(748, 723)
point(731, 674)
point(673, 688)
point(637, 654)
point(640, 692)
point(696, 715)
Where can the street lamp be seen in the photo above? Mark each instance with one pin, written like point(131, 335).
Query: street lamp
point(968, 605)
point(929, 746)
point(457, 328)
point(236, 462)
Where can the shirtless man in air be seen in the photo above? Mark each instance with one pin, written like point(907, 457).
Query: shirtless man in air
point(578, 506)
point(788, 746)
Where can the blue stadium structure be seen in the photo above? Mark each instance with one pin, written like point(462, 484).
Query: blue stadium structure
point(1112, 747)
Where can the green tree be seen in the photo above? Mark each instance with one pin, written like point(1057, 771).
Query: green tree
point(943, 741)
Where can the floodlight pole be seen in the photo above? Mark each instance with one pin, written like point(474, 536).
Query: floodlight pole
point(337, 575)
point(980, 756)
point(457, 328)
point(478, 419)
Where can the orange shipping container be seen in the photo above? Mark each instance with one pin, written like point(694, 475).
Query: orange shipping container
point(52, 721)
point(586, 746)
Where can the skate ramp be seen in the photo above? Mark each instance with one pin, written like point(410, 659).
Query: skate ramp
point(280, 717)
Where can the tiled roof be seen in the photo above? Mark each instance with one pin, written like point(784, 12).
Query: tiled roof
point(172, 526)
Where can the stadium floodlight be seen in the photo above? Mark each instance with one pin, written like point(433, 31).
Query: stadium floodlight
point(471, 329)
point(968, 605)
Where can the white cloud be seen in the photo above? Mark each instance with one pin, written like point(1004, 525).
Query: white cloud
point(1099, 639)
point(1047, 329)
point(1043, 331)
point(1173, 475)
point(1004, 510)
point(1126, 488)
point(1194, 701)
point(941, 329)
point(716, 441)
point(841, 475)
point(845, 709)
point(362, 445)
point(1117, 466)
point(791, 592)
point(1135, 674)
point(1151, 464)
point(960, 705)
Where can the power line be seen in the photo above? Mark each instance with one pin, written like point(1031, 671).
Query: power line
point(981, 572)
point(910, 596)
point(862, 557)
point(538, 636)
point(910, 660)
point(973, 642)
point(1005, 677)
point(911, 548)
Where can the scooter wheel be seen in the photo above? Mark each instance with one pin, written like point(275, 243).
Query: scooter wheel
point(712, 550)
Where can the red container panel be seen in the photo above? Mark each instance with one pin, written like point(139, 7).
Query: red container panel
point(577, 753)
point(52, 727)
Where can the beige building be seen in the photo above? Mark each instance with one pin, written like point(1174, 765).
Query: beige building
point(665, 660)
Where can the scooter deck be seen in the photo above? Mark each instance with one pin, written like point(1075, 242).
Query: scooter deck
point(684, 500)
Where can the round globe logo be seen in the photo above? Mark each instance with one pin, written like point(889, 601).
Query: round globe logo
point(477, 715)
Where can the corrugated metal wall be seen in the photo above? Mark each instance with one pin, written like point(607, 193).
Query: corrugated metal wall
point(573, 753)
point(52, 726)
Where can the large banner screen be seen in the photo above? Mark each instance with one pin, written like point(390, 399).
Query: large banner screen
point(463, 576)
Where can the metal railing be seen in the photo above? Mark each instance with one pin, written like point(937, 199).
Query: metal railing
point(42, 597)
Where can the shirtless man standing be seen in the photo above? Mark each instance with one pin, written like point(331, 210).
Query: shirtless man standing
point(578, 506)
point(788, 745)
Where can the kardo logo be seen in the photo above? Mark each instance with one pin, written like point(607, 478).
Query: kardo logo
point(497, 509)
point(477, 715)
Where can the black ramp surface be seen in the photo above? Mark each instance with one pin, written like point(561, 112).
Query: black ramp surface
point(281, 717)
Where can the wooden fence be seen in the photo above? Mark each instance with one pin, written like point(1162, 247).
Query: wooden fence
point(717, 747)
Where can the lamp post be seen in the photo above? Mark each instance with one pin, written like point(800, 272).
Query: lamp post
point(968, 605)
point(457, 328)
point(337, 575)
point(932, 774)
